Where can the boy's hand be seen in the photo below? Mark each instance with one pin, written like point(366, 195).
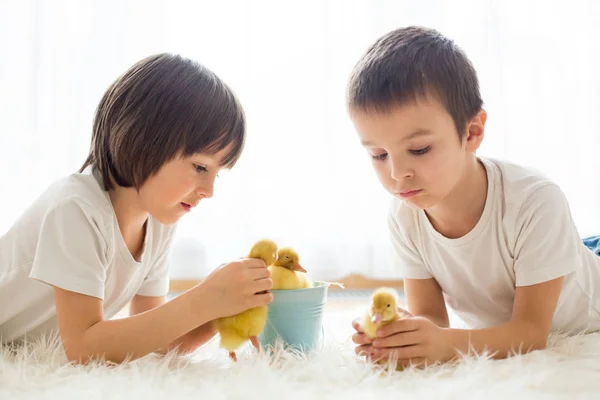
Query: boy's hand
point(364, 342)
point(236, 287)
point(414, 340)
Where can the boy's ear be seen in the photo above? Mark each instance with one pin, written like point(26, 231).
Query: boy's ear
point(475, 130)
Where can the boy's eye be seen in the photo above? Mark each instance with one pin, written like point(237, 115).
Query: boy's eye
point(420, 152)
point(200, 168)
point(379, 157)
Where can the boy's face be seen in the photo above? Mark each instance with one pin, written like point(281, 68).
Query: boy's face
point(179, 185)
point(416, 151)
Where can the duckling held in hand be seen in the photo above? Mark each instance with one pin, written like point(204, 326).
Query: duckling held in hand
point(383, 310)
point(235, 330)
point(287, 273)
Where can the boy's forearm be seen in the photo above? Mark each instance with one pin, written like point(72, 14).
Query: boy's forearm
point(442, 322)
point(130, 338)
point(192, 340)
point(500, 341)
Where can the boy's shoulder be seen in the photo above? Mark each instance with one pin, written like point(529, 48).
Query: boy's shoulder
point(78, 194)
point(515, 187)
point(516, 184)
point(83, 189)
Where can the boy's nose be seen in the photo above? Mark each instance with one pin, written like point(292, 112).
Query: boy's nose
point(400, 172)
point(206, 190)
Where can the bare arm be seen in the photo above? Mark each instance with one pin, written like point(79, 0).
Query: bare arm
point(184, 344)
point(419, 341)
point(85, 334)
point(545, 214)
point(230, 289)
point(528, 329)
point(425, 299)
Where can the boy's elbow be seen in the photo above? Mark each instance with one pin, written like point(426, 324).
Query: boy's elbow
point(76, 356)
point(81, 355)
point(533, 337)
point(527, 346)
point(533, 343)
point(539, 346)
point(75, 349)
point(539, 342)
point(442, 322)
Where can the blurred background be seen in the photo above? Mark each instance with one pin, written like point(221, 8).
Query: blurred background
point(303, 178)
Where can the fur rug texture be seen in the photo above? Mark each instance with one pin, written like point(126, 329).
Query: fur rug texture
point(569, 368)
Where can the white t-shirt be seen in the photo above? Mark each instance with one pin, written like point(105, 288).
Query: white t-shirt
point(70, 238)
point(525, 236)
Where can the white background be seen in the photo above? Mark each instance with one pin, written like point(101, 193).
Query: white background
point(303, 174)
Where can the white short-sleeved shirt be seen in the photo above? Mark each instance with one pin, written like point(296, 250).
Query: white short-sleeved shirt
point(70, 238)
point(525, 236)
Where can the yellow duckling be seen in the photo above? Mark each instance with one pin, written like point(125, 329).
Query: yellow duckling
point(237, 329)
point(287, 273)
point(383, 311)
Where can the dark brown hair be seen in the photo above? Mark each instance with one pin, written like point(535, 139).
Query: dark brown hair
point(412, 63)
point(163, 107)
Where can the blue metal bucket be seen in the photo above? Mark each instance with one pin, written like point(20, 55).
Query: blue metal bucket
point(296, 318)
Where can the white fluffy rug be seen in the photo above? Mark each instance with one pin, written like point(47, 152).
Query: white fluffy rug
point(570, 368)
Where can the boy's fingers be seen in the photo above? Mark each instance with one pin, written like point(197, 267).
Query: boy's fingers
point(264, 284)
point(356, 326)
point(399, 340)
point(261, 299)
point(363, 350)
point(259, 273)
point(361, 338)
point(400, 326)
point(399, 353)
point(254, 263)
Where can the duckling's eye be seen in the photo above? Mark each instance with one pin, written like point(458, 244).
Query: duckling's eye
point(287, 258)
point(388, 306)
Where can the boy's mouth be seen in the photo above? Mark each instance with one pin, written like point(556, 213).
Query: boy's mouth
point(187, 207)
point(408, 193)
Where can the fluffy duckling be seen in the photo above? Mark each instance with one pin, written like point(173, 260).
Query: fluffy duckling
point(237, 329)
point(383, 310)
point(287, 273)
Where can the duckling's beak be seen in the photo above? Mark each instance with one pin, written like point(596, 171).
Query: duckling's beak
point(298, 267)
point(377, 318)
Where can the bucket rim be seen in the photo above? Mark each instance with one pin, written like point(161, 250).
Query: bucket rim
point(322, 285)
